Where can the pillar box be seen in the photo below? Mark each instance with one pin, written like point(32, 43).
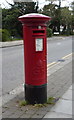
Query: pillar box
point(35, 57)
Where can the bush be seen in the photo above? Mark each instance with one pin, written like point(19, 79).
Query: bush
point(67, 32)
point(49, 32)
point(5, 35)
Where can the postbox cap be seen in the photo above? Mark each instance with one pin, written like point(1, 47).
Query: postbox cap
point(34, 17)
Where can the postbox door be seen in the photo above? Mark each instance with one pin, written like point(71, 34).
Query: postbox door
point(39, 63)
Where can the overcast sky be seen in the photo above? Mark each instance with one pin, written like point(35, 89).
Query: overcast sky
point(41, 2)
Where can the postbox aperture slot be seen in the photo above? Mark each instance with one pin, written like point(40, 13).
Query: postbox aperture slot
point(39, 44)
point(38, 31)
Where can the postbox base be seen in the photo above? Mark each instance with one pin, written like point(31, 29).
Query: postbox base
point(36, 94)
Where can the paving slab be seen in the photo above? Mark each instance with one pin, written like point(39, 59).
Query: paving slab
point(63, 108)
point(25, 116)
point(57, 115)
point(67, 95)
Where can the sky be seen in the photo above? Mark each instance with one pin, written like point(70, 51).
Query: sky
point(41, 3)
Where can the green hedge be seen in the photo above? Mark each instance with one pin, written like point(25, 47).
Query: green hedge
point(49, 32)
point(5, 35)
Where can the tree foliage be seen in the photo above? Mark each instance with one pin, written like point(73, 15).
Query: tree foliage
point(10, 16)
point(66, 16)
point(0, 18)
point(5, 35)
point(53, 11)
point(72, 6)
point(61, 16)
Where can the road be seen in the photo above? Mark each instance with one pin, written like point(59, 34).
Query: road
point(59, 48)
point(12, 61)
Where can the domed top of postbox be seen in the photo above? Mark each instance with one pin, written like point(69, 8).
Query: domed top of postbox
point(34, 18)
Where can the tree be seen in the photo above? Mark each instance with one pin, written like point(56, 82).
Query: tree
point(50, 9)
point(72, 6)
point(58, 11)
point(25, 7)
point(10, 21)
point(10, 16)
point(60, 16)
point(53, 11)
point(0, 17)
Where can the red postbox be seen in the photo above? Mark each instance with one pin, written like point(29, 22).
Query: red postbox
point(35, 56)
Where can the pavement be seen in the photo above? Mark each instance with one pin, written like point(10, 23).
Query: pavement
point(11, 43)
point(59, 86)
